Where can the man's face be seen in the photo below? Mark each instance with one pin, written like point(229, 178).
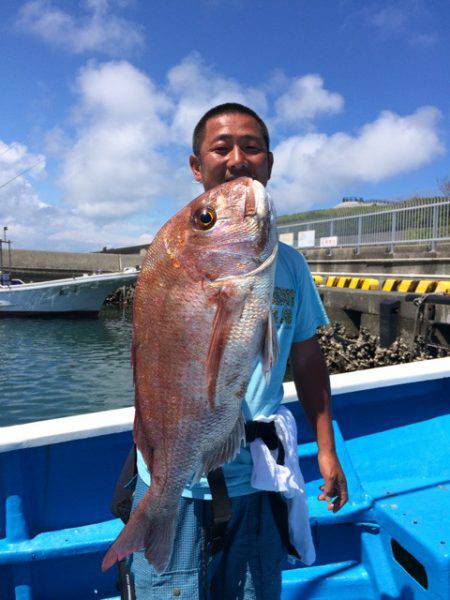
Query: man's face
point(232, 147)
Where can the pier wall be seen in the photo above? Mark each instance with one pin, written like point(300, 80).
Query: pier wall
point(361, 308)
point(353, 308)
point(413, 258)
point(408, 258)
point(40, 265)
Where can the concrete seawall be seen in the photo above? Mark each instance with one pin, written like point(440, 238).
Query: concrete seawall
point(412, 258)
point(361, 308)
point(39, 265)
point(354, 308)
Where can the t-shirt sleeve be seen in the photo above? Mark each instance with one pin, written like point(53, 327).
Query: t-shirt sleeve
point(310, 311)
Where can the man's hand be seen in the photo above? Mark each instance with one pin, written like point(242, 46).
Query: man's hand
point(334, 488)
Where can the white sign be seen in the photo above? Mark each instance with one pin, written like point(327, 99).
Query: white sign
point(306, 239)
point(326, 242)
point(287, 238)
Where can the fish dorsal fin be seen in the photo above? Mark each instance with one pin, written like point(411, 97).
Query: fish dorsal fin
point(229, 306)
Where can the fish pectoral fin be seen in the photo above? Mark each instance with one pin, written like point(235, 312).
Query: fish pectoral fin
point(227, 451)
point(229, 306)
point(270, 346)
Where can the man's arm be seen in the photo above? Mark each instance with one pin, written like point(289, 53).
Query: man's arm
point(313, 388)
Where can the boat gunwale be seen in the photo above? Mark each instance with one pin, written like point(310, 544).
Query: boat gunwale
point(86, 425)
point(79, 279)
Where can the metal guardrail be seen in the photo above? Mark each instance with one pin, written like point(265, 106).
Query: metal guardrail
point(423, 223)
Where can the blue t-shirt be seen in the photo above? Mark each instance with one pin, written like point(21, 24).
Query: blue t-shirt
point(298, 311)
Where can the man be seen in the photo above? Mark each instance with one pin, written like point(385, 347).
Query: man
point(231, 141)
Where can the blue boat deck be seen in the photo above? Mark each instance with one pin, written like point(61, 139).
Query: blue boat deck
point(390, 541)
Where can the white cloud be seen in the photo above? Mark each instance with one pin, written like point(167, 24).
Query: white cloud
point(23, 213)
point(33, 223)
point(389, 19)
point(93, 235)
point(306, 98)
point(196, 88)
point(425, 40)
point(121, 91)
point(56, 142)
point(99, 30)
point(404, 19)
point(123, 156)
point(18, 199)
point(28, 218)
point(132, 140)
point(316, 167)
point(115, 167)
point(15, 159)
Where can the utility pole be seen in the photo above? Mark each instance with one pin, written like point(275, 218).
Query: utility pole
point(8, 243)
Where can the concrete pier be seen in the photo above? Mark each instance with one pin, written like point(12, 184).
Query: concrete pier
point(39, 265)
point(361, 308)
point(354, 308)
point(407, 258)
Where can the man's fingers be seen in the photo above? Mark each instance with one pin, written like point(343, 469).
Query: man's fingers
point(341, 495)
point(327, 491)
point(335, 493)
point(324, 497)
point(339, 502)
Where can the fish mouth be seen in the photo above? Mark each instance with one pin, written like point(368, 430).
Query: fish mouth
point(250, 203)
point(239, 176)
point(259, 204)
point(260, 201)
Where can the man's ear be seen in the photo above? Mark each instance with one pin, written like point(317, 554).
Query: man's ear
point(270, 163)
point(194, 163)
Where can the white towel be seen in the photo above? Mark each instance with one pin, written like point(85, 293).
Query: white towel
point(287, 479)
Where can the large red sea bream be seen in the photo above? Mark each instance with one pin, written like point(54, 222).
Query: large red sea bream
point(201, 321)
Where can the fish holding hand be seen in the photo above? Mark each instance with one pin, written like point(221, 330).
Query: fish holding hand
point(201, 321)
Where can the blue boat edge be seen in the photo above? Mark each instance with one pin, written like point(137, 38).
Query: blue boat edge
point(392, 429)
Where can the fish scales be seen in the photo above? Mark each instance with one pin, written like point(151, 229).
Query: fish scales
point(201, 319)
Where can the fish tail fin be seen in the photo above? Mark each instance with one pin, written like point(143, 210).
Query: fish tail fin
point(160, 545)
point(152, 530)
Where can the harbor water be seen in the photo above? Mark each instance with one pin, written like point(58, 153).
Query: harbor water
point(56, 367)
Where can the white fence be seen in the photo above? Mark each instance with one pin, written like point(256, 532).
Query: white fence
point(423, 223)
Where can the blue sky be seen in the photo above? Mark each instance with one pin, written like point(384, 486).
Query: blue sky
point(99, 99)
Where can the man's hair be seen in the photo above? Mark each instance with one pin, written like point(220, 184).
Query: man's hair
point(221, 109)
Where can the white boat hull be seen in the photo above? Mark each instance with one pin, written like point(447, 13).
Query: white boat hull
point(83, 295)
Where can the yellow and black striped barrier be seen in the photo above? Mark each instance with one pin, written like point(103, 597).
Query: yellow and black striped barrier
point(402, 285)
point(443, 287)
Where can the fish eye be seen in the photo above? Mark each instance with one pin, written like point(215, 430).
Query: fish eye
point(204, 218)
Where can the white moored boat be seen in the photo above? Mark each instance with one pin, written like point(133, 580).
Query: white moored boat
point(79, 295)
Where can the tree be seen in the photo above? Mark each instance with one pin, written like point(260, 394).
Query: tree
point(444, 186)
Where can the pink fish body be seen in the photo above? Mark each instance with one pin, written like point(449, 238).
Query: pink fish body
point(201, 322)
